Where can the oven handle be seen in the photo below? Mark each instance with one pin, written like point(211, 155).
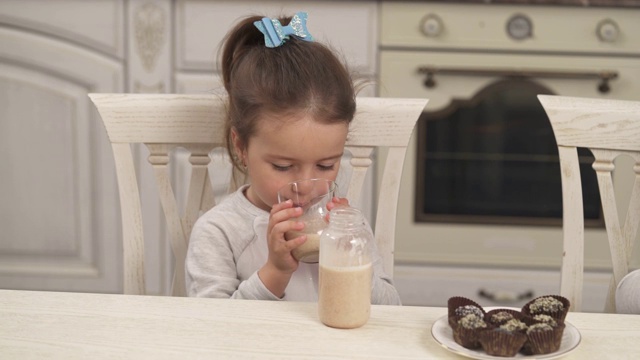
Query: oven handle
point(603, 76)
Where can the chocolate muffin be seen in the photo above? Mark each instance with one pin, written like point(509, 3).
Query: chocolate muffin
point(542, 318)
point(543, 338)
point(467, 329)
point(552, 305)
point(459, 307)
point(500, 316)
point(514, 325)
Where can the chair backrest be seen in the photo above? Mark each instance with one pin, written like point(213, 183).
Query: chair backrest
point(164, 122)
point(608, 128)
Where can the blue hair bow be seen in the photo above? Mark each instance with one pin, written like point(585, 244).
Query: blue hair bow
point(275, 34)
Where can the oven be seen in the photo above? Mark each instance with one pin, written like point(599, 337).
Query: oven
point(480, 206)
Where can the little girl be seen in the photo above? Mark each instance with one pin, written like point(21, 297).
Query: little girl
point(290, 104)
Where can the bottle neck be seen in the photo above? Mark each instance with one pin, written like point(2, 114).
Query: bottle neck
point(346, 218)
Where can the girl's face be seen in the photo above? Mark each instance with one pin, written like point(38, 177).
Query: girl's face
point(295, 148)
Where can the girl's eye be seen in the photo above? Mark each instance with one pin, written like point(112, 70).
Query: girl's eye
point(281, 167)
point(325, 167)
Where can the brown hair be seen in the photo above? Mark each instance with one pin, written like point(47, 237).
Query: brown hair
point(296, 77)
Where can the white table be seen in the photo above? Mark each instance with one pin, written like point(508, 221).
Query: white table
point(50, 325)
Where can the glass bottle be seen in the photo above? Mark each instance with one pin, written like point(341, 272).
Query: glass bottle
point(345, 275)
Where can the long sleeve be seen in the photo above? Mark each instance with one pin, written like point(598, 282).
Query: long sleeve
point(218, 262)
point(211, 269)
point(228, 246)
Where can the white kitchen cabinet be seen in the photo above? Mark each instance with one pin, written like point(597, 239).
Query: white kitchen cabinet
point(58, 209)
point(59, 201)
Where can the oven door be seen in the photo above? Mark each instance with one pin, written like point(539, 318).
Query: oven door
point(452, 240)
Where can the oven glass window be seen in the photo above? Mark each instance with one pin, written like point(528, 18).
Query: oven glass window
point(494, 159)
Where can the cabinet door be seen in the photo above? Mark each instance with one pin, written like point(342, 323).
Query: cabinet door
point(58, 214)
point(349, 27)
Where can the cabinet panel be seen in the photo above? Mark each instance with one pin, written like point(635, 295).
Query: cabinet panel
point(149, 46)
point(26, 136)
point(433, 286)
point(199, 83)
point(485, 27)
point(94, 24)
point(349, 27)
point(59, 205)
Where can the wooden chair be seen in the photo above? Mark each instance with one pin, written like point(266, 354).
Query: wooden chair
point(164, 122)
point(607, 128)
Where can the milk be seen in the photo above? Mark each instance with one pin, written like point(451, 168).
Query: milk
point(345, 295)
point(307, 252)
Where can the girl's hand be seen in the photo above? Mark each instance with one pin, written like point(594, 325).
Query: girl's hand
point(276, 273)
point(337, 202)
point(280, 222)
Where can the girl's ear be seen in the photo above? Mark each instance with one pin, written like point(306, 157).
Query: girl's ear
point(238, 145)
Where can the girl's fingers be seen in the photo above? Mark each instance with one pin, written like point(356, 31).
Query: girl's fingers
point(285, 213)
point(281, 220)
point(337, 202)
point(292, 244)
point(279, 206)
point(284, 226)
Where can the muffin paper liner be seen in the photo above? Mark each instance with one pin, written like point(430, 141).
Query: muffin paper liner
point(497, 342)
point(467, 338)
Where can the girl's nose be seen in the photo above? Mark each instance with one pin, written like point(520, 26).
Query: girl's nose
point(302, 188)
point(310, 191)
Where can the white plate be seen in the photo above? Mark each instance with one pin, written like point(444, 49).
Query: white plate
point(443, 334)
